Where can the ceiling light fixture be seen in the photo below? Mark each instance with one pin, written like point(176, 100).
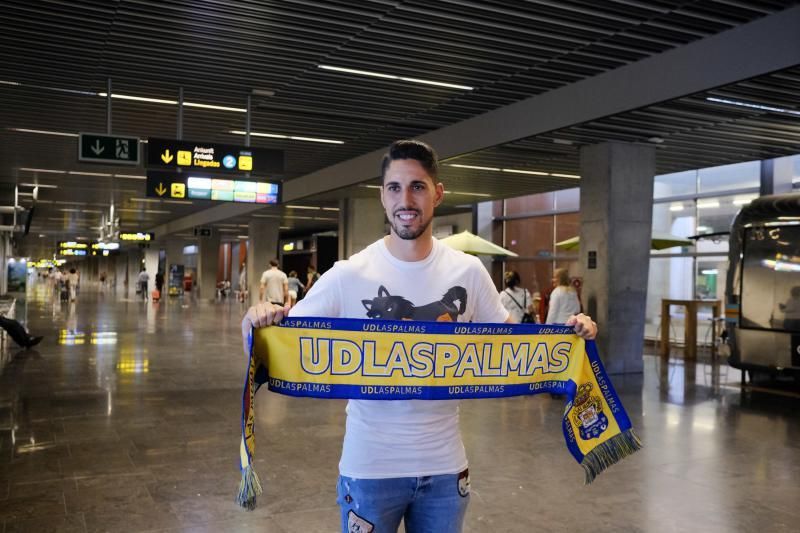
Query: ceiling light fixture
point(754, 106)
point(130, 177)
point(677, 207)
point(172, 102)
point(709, 204)
point(43, 132)
point(571, 176)
point(462, 193)
point(45, 170)
point(530, 172)
point(81, 173)
point(474, 167)
point(303, 207)
point(393, 77)
point(40, 185)
point(289, 137)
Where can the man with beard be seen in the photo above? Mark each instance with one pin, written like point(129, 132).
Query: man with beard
point(403, 459)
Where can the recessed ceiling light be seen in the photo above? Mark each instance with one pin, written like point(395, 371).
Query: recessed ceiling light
point(462, 193)
point(43, 132)
point(760, 107)
point(130, 176)
point(572, 176)
point(531, 172)
point(289, 137)
point(473, 167)
point(172, 102)
point(303, 207)
point(44, 170)
point(81, 173)
point(394, 77)
point(40, 185)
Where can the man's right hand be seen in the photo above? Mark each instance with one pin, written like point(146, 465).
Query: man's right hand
point(261, 315)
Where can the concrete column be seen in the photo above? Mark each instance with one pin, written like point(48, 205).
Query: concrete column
point(361, 222)
point(776, 175)
point(151, 264)
point(134, 267)
point(616, 219)
point(207, 262)
point(263, 238)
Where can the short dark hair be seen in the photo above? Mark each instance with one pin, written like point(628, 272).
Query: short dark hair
point(410, 149)
point(511, 278)
point(273, 262)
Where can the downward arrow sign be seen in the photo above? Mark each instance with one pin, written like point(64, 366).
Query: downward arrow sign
point(97, 149)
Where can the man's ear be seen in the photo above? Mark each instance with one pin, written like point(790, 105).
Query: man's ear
point(439, 194)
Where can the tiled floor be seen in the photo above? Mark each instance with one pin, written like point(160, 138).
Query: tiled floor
point(126, 418)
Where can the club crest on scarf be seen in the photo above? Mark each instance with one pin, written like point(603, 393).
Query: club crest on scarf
point(587, 411)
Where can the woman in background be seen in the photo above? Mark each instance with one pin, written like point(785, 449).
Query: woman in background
point(563, 300)
point(517, 300)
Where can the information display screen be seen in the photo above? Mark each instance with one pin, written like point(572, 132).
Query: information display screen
point(192, 186)
point(770, 292)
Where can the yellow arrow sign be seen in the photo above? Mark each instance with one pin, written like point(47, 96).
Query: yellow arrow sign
point(160, 190)
point(166, 157)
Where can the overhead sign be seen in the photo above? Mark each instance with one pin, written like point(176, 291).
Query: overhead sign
point(72, 248)
point(109, 149)
point(211, 156)
point(202, 232)
point(137, 237)
point(201, 187)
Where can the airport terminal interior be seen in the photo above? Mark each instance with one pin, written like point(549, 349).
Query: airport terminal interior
point(156, 156)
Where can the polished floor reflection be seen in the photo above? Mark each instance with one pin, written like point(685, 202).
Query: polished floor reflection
point(126, 418)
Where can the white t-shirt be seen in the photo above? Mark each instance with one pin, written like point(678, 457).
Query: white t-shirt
point(563, 303)
point(404, 438)
point(516, 301)
point(273, 280)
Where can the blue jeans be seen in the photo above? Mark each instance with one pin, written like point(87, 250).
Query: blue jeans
point(429, 504)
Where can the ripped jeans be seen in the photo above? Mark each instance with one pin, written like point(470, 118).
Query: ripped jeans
point(428, 504)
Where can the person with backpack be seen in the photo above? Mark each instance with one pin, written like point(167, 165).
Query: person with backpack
point(517, 300)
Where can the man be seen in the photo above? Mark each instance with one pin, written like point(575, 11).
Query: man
point(275, 284)
point(404, 459)
point(142, 282)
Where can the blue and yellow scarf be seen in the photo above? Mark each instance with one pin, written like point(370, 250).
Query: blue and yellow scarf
point(392, 360)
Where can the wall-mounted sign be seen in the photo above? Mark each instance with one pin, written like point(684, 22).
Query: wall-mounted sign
point(200, 187)
point(211, 156)
point(137, 237)
point(114, 149)
point(73, 248)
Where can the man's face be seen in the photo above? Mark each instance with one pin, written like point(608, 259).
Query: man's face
point(409, 196)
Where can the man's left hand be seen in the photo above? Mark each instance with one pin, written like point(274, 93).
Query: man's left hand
point(585, 327)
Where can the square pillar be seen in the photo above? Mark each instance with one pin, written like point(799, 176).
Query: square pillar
point(362, 221)
point(263, 246)
point(616, 220)
point(207, 264)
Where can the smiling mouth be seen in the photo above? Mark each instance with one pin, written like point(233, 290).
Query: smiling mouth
point(407, 216)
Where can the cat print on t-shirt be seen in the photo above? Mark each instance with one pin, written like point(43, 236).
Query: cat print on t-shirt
point(393, 307)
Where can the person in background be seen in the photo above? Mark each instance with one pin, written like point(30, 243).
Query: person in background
point(311, 277)
point(159, 281)
point(274, 284)
point(72, 284)
point(563, 300)
point(18, 332)
point(243, 283)
point(517, 300)
point(142, 282)
point(295, 288)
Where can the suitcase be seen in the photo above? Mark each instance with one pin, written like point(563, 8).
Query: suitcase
point(156, 295)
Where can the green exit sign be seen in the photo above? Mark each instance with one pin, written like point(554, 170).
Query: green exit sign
point(109, 149)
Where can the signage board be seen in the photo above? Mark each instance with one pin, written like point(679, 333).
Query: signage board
point(202, 232)
point(72, 248)
point(109, 149)
point(137, 236)
point(213, 157)
point(194, 186)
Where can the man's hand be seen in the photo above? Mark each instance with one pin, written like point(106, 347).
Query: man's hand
point(584, 326)
point(261, 315)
